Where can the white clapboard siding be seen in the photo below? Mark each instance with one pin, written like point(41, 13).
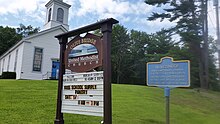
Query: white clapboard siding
point(50, 46)
point(6, 65)
point(24, 67)
point(19, 60)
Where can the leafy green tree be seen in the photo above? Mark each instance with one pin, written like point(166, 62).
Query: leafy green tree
point(159, 45)
point(27, 30)
point(131, 51)
point(213, 75)
point(188, 16)
point(138, 41)
point(182, 53)
point(8, 37)
point(119, 52)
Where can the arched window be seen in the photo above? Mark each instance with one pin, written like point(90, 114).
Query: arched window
point(49, 15)
point(60, 14)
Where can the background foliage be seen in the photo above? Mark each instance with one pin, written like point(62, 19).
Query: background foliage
point(9, 36)
point(131, 50)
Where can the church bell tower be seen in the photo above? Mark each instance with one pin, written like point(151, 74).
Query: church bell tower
point(57, 14)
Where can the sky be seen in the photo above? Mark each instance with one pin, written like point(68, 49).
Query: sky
point(132, 14)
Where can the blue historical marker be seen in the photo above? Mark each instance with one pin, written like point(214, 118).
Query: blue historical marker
point(168, 73)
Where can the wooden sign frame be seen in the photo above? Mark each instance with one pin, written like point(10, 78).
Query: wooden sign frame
point(106, 29)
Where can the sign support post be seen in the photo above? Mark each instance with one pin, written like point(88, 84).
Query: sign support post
point(59, 115)
point(106, 30)
point(167, 97)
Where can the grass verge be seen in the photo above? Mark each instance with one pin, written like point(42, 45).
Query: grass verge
point(34, 102)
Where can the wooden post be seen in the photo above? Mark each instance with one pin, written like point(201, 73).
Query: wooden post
point(59, 115)
point(107, 30)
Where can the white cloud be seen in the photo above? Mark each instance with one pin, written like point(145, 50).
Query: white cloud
point(14, 6)
point(26, 9)
point(128, 12)
point(23, 9)
point(151, 26)
point(5, 19)
point(111, 8)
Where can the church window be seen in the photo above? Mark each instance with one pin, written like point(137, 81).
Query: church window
point(9, 58)
point(16, 59)
point(0, 66)
point(60, 14)
point(49, 15)
point(37, 62)
point(3, 64)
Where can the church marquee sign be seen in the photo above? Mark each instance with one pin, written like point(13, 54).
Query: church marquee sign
point(84, 53)
point(83, 93)
point(82, 89)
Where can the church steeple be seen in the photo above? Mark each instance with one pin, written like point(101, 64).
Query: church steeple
point(57, 14)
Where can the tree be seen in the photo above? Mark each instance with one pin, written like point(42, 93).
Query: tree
point(27, 30)
point(188, 15)
point(182, 53)
point(138, 41)
point(119, 52)
point(8, 37)
point(213, 75)
point(159, 45)
point(131, 51)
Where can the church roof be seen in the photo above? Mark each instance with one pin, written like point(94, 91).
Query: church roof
point(46, 31)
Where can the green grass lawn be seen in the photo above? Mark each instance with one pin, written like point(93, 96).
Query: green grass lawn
point(34, 102)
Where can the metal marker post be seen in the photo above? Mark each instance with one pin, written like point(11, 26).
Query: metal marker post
point(167, 97)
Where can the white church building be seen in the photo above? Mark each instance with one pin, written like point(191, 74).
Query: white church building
point(36, 57)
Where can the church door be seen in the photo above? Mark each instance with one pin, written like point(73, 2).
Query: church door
point(55, 69)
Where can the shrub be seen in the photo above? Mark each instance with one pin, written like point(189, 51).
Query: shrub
point(8, 75)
